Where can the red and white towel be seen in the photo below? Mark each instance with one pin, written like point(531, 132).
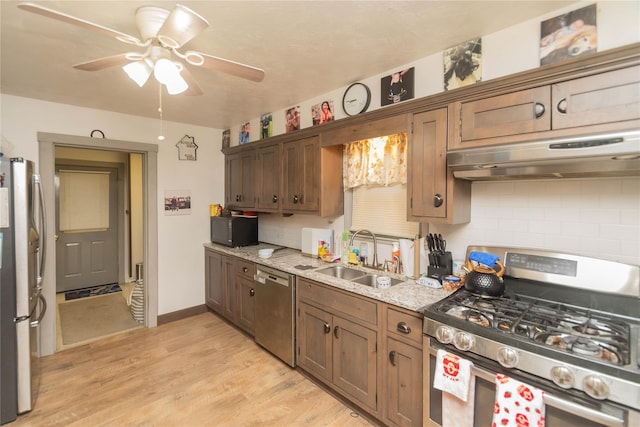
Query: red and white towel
point(453, 376)
point(517, 404)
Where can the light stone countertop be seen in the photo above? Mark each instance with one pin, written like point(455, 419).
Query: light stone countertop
point(409, 294)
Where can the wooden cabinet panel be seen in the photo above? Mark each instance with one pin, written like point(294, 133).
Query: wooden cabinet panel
point(268, 174)
point(354, 361)
point(228, 294)
point(404, 384)
point(433, 194)
point(601, 98)
point(214, 280)
point(245, 304)
point(239, 191)
point(315, 341)
point(301, 175)
point(405, 326)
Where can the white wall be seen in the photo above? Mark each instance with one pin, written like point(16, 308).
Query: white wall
point(180, 252)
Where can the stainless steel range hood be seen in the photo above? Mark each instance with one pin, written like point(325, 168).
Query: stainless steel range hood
point(612, 154)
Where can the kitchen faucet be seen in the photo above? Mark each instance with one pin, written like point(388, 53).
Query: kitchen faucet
point(375, 245)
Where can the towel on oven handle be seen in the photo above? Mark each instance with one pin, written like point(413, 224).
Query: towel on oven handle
point(452, 374)
point(517, 404)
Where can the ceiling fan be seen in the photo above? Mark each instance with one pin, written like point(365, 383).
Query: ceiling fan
point(162, 33)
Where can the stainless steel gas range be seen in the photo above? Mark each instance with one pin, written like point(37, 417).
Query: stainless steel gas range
point(566, 324)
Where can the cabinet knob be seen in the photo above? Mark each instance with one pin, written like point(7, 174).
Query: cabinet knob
point(335, 331)
point(438, 200)
point(275, 199)
point(237, 197)
point(404, 328)
point(252, 292)
point(327, 328)
point(392, 357)
point(562, 106)
point(245, 269)
point(539, 110)
point(295, 199)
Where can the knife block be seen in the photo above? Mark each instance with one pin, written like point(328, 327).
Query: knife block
point(445, 263)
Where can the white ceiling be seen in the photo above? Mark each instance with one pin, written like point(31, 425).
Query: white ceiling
point(307, 48)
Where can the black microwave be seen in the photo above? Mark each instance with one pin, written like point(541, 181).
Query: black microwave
point(234, 231)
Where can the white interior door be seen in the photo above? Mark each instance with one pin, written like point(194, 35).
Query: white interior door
point(86, 227)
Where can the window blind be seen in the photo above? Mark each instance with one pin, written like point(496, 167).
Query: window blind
point(382, 210)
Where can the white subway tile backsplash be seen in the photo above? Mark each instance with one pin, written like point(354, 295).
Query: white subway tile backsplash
point(600, 216)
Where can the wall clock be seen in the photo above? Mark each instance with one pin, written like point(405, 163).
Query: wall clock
point(356, 99)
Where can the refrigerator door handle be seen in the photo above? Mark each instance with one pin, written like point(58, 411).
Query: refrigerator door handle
point(35, 323)
point(43, 231)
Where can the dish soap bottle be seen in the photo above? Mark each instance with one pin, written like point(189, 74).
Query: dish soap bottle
point(344, 258)
point(395, 256)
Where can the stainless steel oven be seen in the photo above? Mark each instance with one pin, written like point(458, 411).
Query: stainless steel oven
point(553, 329)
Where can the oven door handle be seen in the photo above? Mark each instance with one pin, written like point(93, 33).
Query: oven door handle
point(554, 401)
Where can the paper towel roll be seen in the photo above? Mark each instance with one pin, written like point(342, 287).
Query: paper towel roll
point(406, 256)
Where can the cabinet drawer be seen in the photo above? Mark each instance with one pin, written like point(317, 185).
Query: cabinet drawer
point(245, 268)
point(347, 305)
point(404, 325)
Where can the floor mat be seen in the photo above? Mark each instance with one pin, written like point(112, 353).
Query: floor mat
point(91, 292)
point(89, 318)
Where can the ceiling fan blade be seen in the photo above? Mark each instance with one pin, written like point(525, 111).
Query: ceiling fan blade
point(182, 25)
point(227, 66)
point(194, 88)
point(106, 62)
point(50, 13)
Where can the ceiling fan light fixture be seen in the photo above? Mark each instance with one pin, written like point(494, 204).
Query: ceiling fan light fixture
point(165, 70)
point(138, 71)
point(182, 25)
point(177, 85)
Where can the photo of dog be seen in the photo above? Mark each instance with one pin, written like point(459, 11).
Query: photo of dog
point(569, 35)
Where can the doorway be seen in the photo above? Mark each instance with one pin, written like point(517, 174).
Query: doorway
point(48, 143)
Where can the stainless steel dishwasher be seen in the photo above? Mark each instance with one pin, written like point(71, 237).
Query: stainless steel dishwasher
point(275, 321)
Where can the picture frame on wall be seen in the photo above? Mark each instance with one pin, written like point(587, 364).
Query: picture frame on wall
point(177, 202)
point(569, 35)
point(245, 131)
point(463, 64)
point(397, 87)
point(322, 112)
point(187, 148)
point(226, 138)
point(266, 126)
point(292, 119)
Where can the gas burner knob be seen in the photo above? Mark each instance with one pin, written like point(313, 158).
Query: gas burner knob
point(463, 341)
point(444, 334)
point(507, 357)
point(596, 387)
point(562, 377)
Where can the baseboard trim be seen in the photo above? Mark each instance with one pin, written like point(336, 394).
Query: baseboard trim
point(181, 314)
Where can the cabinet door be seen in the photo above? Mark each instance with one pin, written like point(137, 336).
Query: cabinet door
point(301, 175)
point(239, 179)
point(427, 167)
point(516, 113)
point(245, 304)
point(268, 173)
point(603, 98)
point(314, 341)
point(228, 298)
point(213, 277)
point(404, 383)
point(354, 361)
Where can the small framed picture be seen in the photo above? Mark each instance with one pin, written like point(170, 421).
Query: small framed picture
point(177, 202)
point(463, 64)
point(397, 87)
point(266, 126)
point(572, 34)
point(292, 119)
point(226, 138)
point(245, 130)
point(322, 112)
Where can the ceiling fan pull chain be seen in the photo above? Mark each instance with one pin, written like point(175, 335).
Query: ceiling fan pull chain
point(161, 136)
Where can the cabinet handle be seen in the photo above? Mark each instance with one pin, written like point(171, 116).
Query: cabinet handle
point(327, 328)
point(335, 331)
point(562, 106)
point(404, 328)
point(295, 199)
point(302, 199)
point(437, 200)
point(238, 197)
point(539, 110)
point(245, 269)
point(275, 199)
point(392, 357)
point(252, 292)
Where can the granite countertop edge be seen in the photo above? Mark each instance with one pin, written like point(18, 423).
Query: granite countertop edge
point(408, 294)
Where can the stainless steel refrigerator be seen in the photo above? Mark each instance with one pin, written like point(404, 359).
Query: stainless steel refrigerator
point(22, 305)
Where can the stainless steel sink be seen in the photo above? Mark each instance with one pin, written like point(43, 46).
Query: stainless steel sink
point(372, 280)
point(342, 272)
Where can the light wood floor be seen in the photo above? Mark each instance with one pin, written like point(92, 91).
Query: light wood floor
point(198, 371)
